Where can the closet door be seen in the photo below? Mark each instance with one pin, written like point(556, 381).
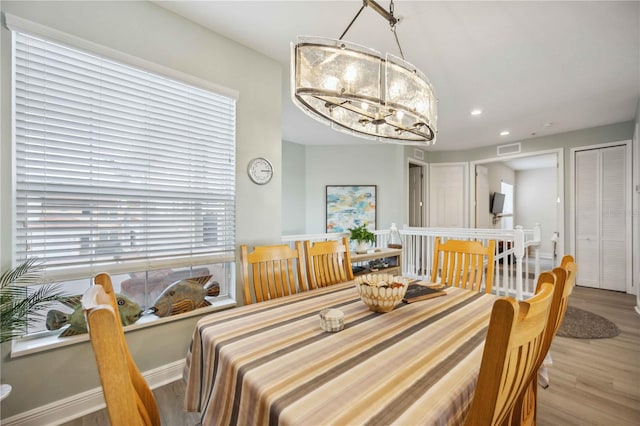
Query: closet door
point(601, 225)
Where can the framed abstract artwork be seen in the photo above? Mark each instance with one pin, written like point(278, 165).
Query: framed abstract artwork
point(349, 206)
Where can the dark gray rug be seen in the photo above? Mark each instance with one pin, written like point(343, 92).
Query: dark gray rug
point(581, 324)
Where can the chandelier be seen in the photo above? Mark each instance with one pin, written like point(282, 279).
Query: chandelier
point(357, 90)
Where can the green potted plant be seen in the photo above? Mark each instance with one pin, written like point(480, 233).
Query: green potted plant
point(19, 305)
point(363, 237)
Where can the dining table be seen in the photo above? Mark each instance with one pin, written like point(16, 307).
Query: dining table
point(271, 363)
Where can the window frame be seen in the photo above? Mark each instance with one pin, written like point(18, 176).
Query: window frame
point(33, 343)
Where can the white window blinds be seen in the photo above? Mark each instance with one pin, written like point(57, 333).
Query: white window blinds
point(116, 167)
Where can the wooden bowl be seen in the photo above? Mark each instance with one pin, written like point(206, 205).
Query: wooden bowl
point(381, 292)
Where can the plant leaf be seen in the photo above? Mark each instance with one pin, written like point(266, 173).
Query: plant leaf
point(21, 306)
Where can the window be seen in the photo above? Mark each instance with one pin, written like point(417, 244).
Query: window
point(120, 170)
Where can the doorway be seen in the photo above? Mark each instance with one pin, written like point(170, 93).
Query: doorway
point(538, 195)
point(416, 206)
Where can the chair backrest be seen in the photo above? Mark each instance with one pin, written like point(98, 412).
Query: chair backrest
point(463, 263)
point(511, 350)
point(565, 282)
point(269, 272)
point(524, 411)
point(567, 258)
point(128, 396)
point(328, 262)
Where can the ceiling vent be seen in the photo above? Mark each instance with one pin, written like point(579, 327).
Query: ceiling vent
point(513, 148)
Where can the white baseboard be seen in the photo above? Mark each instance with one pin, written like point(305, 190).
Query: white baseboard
point(84, 403)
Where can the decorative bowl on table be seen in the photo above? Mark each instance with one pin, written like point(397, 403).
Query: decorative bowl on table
point(381, 292)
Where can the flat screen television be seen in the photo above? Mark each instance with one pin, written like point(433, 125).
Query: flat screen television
point(496, 203)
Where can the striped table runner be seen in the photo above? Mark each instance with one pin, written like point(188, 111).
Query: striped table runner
point(271, 363)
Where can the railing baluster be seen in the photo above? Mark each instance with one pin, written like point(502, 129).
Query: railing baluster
point(418, 245)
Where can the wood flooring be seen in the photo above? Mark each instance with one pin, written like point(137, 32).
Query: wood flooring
point(596, 381)
point(593, 382)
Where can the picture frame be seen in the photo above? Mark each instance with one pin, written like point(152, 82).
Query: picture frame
point(348, 206)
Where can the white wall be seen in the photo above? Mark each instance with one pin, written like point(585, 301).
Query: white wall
point(536, 202)
point(371, 164)
point(144, 30)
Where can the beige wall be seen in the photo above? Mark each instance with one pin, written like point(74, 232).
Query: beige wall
point(146, 31)
point(293, 188)
point(386, 163)
point(375, 164)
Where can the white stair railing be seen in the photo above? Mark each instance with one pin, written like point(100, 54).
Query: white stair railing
point(512, 258)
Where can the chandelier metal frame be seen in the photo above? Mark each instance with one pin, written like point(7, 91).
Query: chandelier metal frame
point(357, 90)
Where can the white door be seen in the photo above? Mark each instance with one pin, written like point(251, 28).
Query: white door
point(601, 225)
point(448, 195)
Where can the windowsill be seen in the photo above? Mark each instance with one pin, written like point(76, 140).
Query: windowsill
point(49, 340)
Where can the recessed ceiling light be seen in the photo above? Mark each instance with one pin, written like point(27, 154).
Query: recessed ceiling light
point(504, 133)
point(476, 111)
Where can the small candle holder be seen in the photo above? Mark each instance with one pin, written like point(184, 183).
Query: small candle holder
point(331, 320)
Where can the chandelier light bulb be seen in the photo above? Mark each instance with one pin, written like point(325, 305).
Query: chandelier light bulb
point(351, 73)
point(330, 83)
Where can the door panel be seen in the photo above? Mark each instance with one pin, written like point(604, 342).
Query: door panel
point(601, 225)
point(587, 191)
point(447, 195)
point(613, 232)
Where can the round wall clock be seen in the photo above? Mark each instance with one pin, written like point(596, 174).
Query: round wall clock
point(260, 170)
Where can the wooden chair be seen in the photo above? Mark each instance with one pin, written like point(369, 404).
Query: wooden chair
point(525, 409)
point(328, 262)
point(463, 264)
point(511, 351)
point(128, 396)
point(268, 272)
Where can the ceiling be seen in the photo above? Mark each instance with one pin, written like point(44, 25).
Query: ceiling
point(534, 68)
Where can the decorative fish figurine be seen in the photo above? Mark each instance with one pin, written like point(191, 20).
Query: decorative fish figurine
point(184, 296)
point(129, 310)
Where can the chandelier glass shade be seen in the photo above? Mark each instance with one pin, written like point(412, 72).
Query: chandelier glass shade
point(357, 90)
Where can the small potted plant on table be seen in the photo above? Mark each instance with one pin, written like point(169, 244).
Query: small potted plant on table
point(363, 237)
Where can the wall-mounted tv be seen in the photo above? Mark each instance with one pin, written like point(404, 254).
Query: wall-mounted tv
point(496, 203)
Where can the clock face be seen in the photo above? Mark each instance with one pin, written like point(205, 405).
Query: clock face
point(260, 170)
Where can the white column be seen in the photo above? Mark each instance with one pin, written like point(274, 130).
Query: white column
point(518, 243)
point(537, 236)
